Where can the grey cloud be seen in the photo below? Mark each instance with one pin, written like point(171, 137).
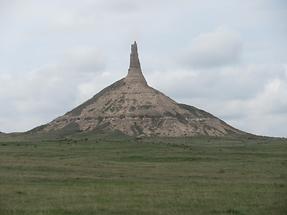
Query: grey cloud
point(240, 82)
point(49, 91)
point(219, 48)
point(123, 6)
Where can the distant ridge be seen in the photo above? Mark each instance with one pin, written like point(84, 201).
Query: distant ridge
point(132, 107)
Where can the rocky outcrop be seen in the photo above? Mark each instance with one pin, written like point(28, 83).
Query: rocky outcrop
point(134, 108)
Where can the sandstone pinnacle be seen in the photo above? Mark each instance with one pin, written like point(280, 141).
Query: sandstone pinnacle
point(134, 60)
point(135, 73)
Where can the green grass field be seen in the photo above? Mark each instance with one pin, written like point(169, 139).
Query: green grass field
point(96, 175)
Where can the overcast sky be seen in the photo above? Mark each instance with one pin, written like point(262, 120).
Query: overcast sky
point(227, 57)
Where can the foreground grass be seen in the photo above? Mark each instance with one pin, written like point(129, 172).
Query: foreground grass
point(93, 175)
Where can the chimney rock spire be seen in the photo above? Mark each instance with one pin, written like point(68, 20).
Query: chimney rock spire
point(135, 73)
point(134, 58)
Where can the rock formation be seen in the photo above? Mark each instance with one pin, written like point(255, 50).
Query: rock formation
point(132, 107)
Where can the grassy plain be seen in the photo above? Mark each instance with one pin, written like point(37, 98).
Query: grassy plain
point(91, 174)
